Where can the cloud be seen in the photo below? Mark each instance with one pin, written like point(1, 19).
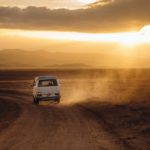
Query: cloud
point(101, 2)
point(121, 15)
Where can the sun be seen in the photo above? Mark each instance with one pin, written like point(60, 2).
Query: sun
point(145, 30)
point(145, 34)
point(87, 1)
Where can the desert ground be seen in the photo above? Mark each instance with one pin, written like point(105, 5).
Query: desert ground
point(107, 109)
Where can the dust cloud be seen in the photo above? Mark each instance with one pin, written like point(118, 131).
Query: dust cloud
point(113, 86)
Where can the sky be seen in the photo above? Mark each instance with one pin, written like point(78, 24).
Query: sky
point(67, 25)
point(114, 16)
point(52, 4)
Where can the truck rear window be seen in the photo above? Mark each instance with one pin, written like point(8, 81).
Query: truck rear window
point(46, 83)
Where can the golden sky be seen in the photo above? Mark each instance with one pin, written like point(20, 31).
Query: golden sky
point(43, 3)
point(53, 4)
point(123, 22)
point(114, 16)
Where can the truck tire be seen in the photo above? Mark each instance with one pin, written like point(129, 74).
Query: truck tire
point(58, 100)
point(35, 101)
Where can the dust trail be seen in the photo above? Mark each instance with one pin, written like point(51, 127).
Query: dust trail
point(114, 86)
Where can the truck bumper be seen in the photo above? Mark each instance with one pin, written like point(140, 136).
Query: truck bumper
point(48, 98)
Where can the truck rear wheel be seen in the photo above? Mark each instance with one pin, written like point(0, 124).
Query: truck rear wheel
point(35, 101)
point(58, 100)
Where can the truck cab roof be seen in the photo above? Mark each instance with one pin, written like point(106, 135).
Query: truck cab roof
point(45, 77)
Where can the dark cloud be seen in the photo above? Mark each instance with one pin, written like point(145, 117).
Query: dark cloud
point(121, 15)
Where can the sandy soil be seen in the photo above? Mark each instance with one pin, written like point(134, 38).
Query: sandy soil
point(9, 111)
point(99, 111)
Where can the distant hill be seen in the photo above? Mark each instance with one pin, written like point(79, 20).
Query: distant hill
point(43, 59)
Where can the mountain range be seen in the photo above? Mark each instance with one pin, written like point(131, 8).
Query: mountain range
point(12, 58)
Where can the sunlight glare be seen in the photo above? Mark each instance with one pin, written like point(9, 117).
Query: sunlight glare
point(125, 38)
point(87, 1)
point(145, 33)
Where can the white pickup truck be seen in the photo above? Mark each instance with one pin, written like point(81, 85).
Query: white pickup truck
point(46, 88)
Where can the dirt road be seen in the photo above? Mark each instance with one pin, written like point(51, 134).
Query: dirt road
point(52, 126)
